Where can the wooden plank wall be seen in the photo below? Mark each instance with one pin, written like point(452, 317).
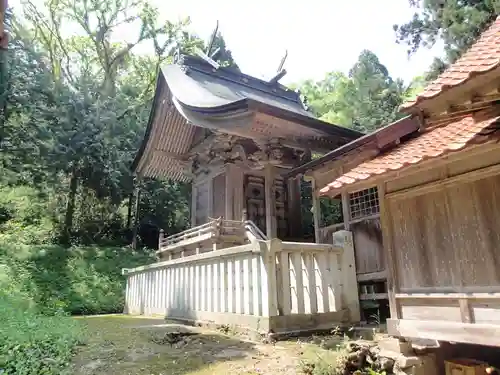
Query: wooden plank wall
point(447, 239)
point(367, 237)
point(369, 250)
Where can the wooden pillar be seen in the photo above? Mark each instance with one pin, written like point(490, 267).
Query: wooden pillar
point(193, 204)
point(316, 210)
point(346, 210)
point(238, 199)
point(271, 224)
point(161, 237)
point(229, 193)
point(294, 202)
point(392, 277)
point(136, 215)
point(350, 293)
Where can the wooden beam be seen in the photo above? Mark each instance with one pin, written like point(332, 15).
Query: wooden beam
point(331, 171)
point(231, 251)
point(485, 334)
point(381, 275)
point(390, 259)
point(316, 207)
point(393, 132)
point(447, 296)
point(474, 175)
point(307, 246)
point(372, 296)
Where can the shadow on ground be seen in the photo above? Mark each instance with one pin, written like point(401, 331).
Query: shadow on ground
point(125, 345)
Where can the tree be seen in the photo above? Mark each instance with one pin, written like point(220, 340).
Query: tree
point(457, 23)
point(77, 109)
point(224, 56)
point(365, 100)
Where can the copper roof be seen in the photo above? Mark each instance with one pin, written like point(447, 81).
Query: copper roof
point(191, 96)
point(433, 142)
point(482, 57)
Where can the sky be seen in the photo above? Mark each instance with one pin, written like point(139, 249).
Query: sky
point(320, 35)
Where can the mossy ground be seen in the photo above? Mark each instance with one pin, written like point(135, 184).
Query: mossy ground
point(124, 345)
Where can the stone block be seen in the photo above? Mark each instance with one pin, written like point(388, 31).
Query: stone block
point(391, 344)
point(406, 361)
point(426, 366)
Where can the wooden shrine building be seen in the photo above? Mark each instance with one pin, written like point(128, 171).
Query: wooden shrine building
point(432, 183)
point(233, 136)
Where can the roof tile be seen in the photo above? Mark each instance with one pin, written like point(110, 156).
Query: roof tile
point(430, 144)
point(483, 56)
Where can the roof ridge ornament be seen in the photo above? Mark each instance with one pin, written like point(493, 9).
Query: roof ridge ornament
point(280, 72)
point(206, 55)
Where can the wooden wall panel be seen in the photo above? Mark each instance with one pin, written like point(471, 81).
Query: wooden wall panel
point(202, 202)
point(448, 238)
point(219, 196)
point(367, 236)
point(428, 311)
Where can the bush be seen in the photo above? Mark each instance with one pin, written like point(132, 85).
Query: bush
point(78, 280)
point(31, 343)
point(23, 216)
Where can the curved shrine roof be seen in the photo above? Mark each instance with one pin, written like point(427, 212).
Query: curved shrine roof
point(191, 95)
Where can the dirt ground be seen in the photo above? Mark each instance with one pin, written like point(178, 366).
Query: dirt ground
point(125, 345)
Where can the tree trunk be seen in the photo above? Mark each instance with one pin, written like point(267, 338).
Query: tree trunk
point(4, 90)
point(70, 207)
point(136, 217)
point(129, 210)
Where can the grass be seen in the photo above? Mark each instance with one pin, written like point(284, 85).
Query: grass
point(117, 345)
point(32, 343)
point(125, 345)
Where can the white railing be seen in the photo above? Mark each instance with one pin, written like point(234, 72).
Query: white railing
point(310, 278)
point(226, 281)
point(253, 232)
point(264, 279)
point(214, 230)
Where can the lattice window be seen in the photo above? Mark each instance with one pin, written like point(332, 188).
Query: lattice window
point(364, 203)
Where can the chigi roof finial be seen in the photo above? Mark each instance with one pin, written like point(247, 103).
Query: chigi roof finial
point(210, 58)
point(280, 72)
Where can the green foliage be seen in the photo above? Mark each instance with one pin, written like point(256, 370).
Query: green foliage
point(457, 23)
point(417, 85)
point(84, 280)
point(24, 216)
point(365, 100)
point(224, 56)
point(31, 343)
point(75, 116)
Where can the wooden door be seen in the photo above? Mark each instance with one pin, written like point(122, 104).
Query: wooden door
point(255, 200)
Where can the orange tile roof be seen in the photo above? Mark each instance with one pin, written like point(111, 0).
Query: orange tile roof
point(483, 56)
point(430, 144)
